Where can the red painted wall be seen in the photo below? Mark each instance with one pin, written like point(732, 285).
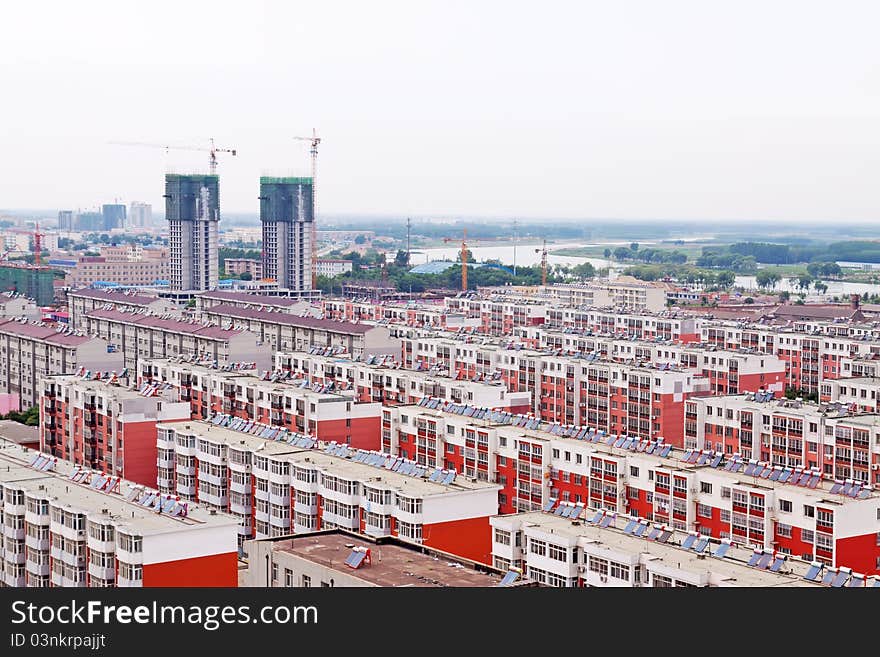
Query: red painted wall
point(212, 570)
point(859, 553)
point(471, 538)
point(139, 452)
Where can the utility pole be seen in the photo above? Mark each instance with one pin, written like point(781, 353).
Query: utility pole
point(407, 241)
point(514, 246)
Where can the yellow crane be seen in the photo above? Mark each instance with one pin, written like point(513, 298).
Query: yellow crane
point(543, 252)
point(464, 257)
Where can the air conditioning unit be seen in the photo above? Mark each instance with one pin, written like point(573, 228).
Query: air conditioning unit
point(875, 466)
point(603, 578)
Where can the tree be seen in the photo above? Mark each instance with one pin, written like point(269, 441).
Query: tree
point(634, 246)
point(401, 259)
point(246, 276)
point(725, 278)
point(583, 270)
point(622, 253)
point(748, 300)
point(821, 287)
point(767, 278)
point(607, 253)
point(785, 295)
point(360, 239)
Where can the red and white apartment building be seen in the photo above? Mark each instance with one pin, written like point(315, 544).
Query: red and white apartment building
point(382, 380)
point(716, 494)
point(329, 416)
point(104, 426)
point(602, 550)
point(69, 526)
point(276, 483)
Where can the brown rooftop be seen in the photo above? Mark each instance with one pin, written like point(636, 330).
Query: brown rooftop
point(245, 297)
point(393, 562)
point(348, 328)
point(114, 297)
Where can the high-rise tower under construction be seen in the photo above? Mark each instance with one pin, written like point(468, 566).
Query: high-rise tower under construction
point(192, 208)
point(287, 214)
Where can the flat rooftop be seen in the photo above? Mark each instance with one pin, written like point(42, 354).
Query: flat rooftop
point(675, 459)
point(82, 498)
point(18, 433)
point(391, 563)
point(733, 566)
point(320, 457)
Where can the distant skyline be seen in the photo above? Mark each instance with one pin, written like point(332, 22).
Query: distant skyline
point(634, 110)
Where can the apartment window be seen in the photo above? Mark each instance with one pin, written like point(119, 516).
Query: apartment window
point(306, 581)
point(538, 547)
point(823, 542)
point(825, 519)
point(634, 472)
point(808, 536)
point(288, 577)
point(597, 565)
point(783, 530)
point(661, 582)
point(785, 505)
point(704, 510)
point(809, 511)
point(557, 552)
point(619, 571)
point(705, 487)
point(502, 537)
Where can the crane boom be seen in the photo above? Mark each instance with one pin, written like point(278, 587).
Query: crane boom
point(212, 150)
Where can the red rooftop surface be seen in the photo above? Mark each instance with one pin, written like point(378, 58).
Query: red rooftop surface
point(114, 297)
point(153, 321)
point(45, 333)
point(291, 320)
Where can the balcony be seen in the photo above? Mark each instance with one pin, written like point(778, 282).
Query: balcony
point(37, 569)
point(102, 572)
point(35, 543)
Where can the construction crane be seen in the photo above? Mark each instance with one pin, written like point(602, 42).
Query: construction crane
point(314, 140)
point(543, 252)
point(464, 267)
point(212, 150)
point(38, 245)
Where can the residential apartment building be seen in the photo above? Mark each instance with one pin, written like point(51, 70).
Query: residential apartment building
point(276, 483)
point(287, 215)
point(105, 426)
point(381, 379)
point(238, 266)
point(604, 551)
point(793, 510)
point(85, 300)
point(275, 402)
point(330, 268)
point(294, 305)
point(67, 526)
point(150, 268)
point(138, 335)
point(30, 351)
point(285, 332)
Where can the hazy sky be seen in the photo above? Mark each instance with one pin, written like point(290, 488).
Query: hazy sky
point(624, 109)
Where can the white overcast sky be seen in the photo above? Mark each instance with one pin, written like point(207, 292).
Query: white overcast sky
point(630, 109)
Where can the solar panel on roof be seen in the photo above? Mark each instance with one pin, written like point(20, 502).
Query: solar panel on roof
point(828, 577)
point(765, 560)
point(777, 563)
point(509, 578)
point(564, 510)
point(857, 580)
point(722, 550)
point(435, 476)
point(619, 442)
point(150, 498)
point(356, 558)
point(649, 448)
point(397, 463)
point(167, 505)
point(133, 493)
point(35, 458)
point(547, 507)
point(666, 450)
point(606, 520)
point(716, 461)
point(596, 518)
point(450, 477)
point(766, 472)
point(693, 457)
point(841, 578)
point(704, 458)
point(814, 481)
point(630, 526)
point(664, 536)
point(813, 572)
point(687, 455)
point(688, 541)
point(786, 474)
point(48, 466)
point(701, 545)
point(864, 493)
point(577, 511)
point(641, 446)
point(652, 535)
point(750, 468)
point(837, 487)
point(755, 558)
point(98, 482)
point(804, 479)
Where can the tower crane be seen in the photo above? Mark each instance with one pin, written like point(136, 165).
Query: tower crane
point(543, 252)
point(314, 140)
point(464, 267)
point(212, 150)
point(38, 245)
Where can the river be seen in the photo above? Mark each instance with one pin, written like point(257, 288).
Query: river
point(835, 288)
point(526, 254)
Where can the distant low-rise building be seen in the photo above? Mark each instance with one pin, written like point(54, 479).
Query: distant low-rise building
point(331, 268)
point(238, 266)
